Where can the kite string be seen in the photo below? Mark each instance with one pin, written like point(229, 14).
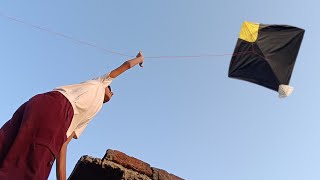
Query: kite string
point(110, 51)
point(62, 35)
point(198, 56)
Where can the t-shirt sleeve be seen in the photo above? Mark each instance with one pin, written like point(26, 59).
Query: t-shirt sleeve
point(78, 131)
point(105, 79)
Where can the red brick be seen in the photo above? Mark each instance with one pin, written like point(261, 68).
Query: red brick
point(159, 174)
point(128, 162)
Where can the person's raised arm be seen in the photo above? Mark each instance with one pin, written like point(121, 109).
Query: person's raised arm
point(127, 65)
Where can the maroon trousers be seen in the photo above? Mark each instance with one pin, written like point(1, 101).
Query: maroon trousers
point(33, 137)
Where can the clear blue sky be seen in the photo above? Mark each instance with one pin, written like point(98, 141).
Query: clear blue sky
point(182, 115)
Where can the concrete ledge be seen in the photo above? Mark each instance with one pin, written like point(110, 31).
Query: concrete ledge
point(128, 162)
point(116, 165)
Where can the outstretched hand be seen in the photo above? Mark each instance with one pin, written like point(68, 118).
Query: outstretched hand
point(127, 65)
point(140, 57)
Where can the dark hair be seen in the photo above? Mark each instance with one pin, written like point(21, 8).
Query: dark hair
point(109, 87)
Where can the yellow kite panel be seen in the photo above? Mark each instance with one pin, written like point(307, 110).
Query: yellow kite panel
point(249, 31)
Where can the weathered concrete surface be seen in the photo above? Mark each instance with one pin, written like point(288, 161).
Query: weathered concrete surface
point(128, 162)
point(90, 168)
point(159, 174)
point(116, 165)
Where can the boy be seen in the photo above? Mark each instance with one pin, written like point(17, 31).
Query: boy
point(40, 130)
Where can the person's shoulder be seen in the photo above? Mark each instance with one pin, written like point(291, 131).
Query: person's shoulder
point(94, 82)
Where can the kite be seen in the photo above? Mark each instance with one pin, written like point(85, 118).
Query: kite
point(265, 55)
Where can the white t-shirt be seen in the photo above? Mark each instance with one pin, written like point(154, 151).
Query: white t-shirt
point(86, 99)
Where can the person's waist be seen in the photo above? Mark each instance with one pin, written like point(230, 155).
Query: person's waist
point(69, 98)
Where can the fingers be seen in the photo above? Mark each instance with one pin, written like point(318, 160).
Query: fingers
point(139, 54)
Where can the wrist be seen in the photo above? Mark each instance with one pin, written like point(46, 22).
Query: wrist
point(133, 62)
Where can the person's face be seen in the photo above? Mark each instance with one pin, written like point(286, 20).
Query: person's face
point(107, 94)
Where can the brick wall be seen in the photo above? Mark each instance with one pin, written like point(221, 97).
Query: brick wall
point(116, 165)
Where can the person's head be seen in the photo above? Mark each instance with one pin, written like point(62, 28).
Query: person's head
point(107, 94)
